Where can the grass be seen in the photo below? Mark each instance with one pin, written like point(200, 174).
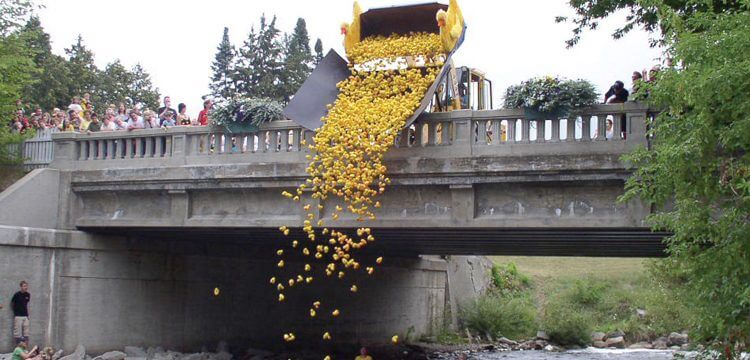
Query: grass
point(571, 297)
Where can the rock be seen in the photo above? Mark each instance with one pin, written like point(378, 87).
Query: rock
point(616, 342)
point(616, 333)
point(540, 344)
point(196, 356)
point(541, 335)
point(641, 313)
point(506, 341)
point(600, 344)
point(221, 356)
point(222, 347)
point(598, 336)
point(528, 345)
point(660, 343)
point(552, 348)
point(685, 347)
point(641, 345)
point(57, 355)
point(78, 354)
point(675, 347)
point(112, 355)
point(677, 339)
point(134, 351)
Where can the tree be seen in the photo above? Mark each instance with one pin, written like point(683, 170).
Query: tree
point(13, 14)
point(297, 60)
point(318, 51)
point(52, 82)
point(114, 84)
point(83, 71)
point(141, 90)
point(698, 163)
point(645, 14)
point(260, 68)
point(222, 85)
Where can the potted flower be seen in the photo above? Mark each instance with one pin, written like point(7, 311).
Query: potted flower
point(244, 114)
point(550, 97)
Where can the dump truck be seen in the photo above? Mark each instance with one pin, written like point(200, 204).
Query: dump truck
point(456, 88)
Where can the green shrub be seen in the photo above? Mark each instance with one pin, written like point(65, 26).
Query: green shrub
point(566, 324)
point(513, 317)
point(508, 280)
point(588, 292)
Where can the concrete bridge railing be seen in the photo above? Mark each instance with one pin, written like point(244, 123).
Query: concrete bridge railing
point(453, 134)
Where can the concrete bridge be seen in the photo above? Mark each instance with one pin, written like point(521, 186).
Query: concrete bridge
point(129, 232)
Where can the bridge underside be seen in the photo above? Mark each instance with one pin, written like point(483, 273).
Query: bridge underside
point(598, 242)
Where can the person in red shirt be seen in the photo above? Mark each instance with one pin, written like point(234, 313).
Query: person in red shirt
point(203, 115)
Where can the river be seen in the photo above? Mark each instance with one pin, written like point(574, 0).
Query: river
point(585, 354)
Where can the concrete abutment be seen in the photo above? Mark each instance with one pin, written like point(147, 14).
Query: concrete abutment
point(106, 292)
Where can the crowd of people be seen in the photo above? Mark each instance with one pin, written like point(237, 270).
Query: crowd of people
point(80, 116)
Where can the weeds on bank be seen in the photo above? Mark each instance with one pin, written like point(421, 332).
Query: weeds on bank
point(569, 309)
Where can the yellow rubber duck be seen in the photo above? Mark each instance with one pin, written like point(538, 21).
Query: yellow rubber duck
point(451, 25)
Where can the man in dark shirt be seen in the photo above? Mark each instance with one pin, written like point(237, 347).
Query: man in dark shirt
point(618, 91)
point(20, 305)
point(162, 111)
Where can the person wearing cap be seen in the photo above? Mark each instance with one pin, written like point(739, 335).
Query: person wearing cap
point(168, 120)
point(20, 352)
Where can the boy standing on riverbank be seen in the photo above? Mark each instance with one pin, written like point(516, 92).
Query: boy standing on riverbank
point(20, 305)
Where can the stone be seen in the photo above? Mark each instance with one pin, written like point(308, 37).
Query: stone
point(616, 333)
point(135, 351)
point(616, 342)
point(78, 354)
point(57, 355)
point(506, 341)
point(600, 344)
point(598, 336)
point(552, 348)
point(196, 356)
point(641, 313)
point(677, 339)
point(641, 345)
point(542, 335)
point(540, 344)
point(220, 356)
point(660, 343)
point(112, 355)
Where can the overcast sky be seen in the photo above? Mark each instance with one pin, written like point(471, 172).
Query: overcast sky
point(176, 41)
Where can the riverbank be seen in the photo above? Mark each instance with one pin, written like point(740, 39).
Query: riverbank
point(576, 302)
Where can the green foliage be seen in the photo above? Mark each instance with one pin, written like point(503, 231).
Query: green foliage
point(298, 60)
point(550, 94)
point(17, 71)
point(699, 166)
point(252, 111)
point(318, 51)
point(13, 14)
point(588, 293)
point(497, 315)
point(260, 64)
point(222, 85)
point(565, 324)
point(507, 279)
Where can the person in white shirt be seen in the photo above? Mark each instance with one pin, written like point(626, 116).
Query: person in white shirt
point(135, 121)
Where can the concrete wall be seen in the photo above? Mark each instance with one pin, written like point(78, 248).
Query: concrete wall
point(108, 292)
point(33, 200)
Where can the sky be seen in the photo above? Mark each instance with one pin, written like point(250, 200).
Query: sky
point(176, 40)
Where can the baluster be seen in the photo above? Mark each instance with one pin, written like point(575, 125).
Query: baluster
point(510, 130)
point(480, 132)
point(446, 133)
point(617, 120)
point(216, 143)
point(555, 129)
point(601, 128)
point(540, 133)
point(403, 139)
point(100, 145)
point(525, 130)
point(273, 141)
point(284, 141)
point(309, 139)
point(418, 130)
point(159, 146)
point(229, 143)
point(251, 143)
point(91, 153)
point(81, 150)
point(111, 149)
point(295, 140)
point(570, 134)
point(586, 127)
point(149, 147)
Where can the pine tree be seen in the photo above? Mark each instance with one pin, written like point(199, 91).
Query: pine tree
point(318, 52)
point(141, 90)
point(82, 69)
point(114, 84)
point(297, 60)
point(222, 84)
point(260, 68)
point(51, 84)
